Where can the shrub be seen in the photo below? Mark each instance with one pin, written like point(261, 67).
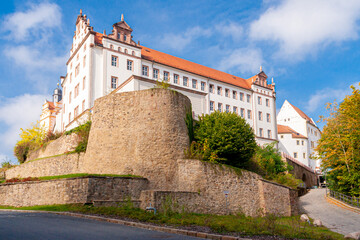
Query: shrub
point(226, 138)
point(269, 159)
point(83, 132)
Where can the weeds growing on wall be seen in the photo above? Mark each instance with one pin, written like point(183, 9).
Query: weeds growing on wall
point(83, 132)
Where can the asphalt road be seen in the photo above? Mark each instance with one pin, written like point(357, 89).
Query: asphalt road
point(333, 217)
point(40, 226)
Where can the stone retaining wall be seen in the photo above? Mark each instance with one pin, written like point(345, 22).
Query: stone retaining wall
point(74, 190)
point(63, 144)
point(53, 166)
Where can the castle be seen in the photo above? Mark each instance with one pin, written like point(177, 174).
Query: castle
point(100, 64)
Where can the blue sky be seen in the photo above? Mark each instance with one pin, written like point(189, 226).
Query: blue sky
point(310, 47)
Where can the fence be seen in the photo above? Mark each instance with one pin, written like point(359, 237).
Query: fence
point(353, 201)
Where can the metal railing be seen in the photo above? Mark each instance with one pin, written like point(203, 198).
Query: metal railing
point(353, 201)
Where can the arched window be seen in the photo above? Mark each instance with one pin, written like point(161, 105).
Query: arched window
point(125, 51)
point(133, 53)
point(119, 49)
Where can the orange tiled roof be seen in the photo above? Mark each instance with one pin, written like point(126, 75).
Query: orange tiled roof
point(169, 60)
point(286, 129)
point(98, 38)
point(302, 114)
point(51, 105)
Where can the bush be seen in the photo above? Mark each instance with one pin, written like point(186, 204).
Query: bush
point(225, 138)
point(22, 150)
point(83, 132)
point(269, 159)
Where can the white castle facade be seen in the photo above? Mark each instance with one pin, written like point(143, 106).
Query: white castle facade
point(298, 135)
point(101, 64)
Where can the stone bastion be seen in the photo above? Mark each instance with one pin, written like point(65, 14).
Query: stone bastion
point(144, 133)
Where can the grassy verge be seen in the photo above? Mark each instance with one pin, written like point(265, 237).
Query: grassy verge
point(75, 175)
point(240, 225)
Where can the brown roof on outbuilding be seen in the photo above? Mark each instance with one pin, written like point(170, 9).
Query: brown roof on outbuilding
point(282, 129)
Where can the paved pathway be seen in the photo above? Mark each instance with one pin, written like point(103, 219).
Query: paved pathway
point(43, 226)
point(333, 217)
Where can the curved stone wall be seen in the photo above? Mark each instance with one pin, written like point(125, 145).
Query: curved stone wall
point(140, 133)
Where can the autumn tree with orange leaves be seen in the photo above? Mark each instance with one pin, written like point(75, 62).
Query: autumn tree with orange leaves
point(339, 146)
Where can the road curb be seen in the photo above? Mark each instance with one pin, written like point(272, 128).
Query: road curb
point(137, 224)
point(341, 204)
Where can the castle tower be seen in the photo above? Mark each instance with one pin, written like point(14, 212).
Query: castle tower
point(57, 96)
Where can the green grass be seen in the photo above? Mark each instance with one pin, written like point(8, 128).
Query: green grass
point(76, 175)
point(288, 227)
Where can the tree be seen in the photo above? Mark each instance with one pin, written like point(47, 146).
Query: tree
point(30, 139)
point(225, 137)
point(339, 145)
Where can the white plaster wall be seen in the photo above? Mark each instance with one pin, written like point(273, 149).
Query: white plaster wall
point(288, 145)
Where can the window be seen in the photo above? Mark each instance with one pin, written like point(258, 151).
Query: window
point(69, 117)
point(311, 131)
point(156, 73)
point(242, 112)
point(242, 96)
point(248, 98)
point(227, 92)
point(261, 132)
point(227, 108)
point(194, 83)
point(129, 65)
point(76, 92)
point(259, 100)
point(235, 110)
point(166, 76)
point(145, 70)
point(114, 60)
point(119, 49)
point(118, 36)
point(133, 53)
point(268, 117)
point(126, 51)
point(211, 88)
point(70, 97)
point(304, 155)
point(113, 82)
point(76, 111)
point(84, 47)
point(297, 142)
point(111, 46)
point(302, 142)
point(83, 105)
point(219, 90)
point(211, 106)
point(315, 133)
point(84, 80)
point(260, 116)
point(77, 57)
point(295, 155)
point(234, 95)
point(125, 37)
point(77, 69)
point(185, 81)
point(70, 77)
point(203, 86)
point(84, 61)
point(220, 107)
point(281, 136)
point(176, 79)
point(312, 144)
point(269, 133)
point(249, 114)
point(267, 102)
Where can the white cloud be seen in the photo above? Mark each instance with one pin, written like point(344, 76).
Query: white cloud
point(38, 19)
point(34, 59)
point(321, 97)
point(15, 113)
point(231, 29)
point(302, 26)
point(180, 41)
point(244, 60)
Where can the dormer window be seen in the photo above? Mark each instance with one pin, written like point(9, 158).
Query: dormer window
point(124, 38)
point(118, 36)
